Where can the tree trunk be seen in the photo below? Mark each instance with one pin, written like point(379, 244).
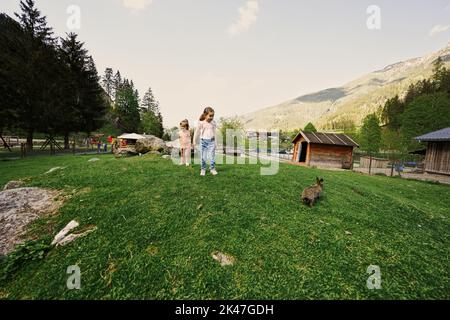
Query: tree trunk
point(392, 166)
point(66, 141)
point(30, 140)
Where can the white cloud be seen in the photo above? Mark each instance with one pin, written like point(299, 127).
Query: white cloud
point(438, 29)
point(248, 14)
point(136, 5)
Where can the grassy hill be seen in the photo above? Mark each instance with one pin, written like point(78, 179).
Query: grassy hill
point(352, 101)
point(157, 225)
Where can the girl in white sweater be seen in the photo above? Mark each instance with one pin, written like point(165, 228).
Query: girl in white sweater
point(206, 131)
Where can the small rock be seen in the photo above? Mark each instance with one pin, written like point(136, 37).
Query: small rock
point(61, 239)
point(348, 233)
point(54, 169)
point(223, 259)
point(13, 185)
point(166, 156)
point(61, 235)
point(94, 160)
point(200, 206)
point(71, 237)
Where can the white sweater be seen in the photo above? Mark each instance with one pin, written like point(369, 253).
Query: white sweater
point(205, 130)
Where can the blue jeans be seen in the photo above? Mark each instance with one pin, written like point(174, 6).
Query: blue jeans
point(208, 151)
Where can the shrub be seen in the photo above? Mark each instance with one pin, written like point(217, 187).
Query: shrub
point(28, 251)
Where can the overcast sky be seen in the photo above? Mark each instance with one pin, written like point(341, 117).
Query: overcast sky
point(239, 56)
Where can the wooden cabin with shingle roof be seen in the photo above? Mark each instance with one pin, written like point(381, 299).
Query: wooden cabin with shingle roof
point(328, 150)
point(437, 159)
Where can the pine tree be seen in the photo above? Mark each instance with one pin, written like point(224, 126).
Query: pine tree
point(117, 84)
point(85, 99)
point(74, 57)
point(12, 72)
point(310, 128)
point(108, 82)
point(127, 108)
point(95, 104)
point(136, 95)
point(370, 135)
point(149, 102)
point(34, 24)
point(152, 121)
point(392, 112)
point(441, 77)
point(40, 42)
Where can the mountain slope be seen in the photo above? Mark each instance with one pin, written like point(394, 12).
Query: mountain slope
point(352, 101)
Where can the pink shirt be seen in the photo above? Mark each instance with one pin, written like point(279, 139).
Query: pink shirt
point(185, 138)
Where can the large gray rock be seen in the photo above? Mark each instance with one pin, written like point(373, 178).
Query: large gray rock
point(151, 143)
point(19, 207)
point(125, 152)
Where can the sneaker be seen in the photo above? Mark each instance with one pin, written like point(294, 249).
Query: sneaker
point(203, 173)
point(214, 172)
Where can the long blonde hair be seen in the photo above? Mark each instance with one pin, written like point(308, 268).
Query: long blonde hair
point(207, 111)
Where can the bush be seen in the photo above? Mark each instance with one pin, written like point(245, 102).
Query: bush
point(28, 251)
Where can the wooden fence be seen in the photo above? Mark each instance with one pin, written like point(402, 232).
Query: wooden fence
point(376, 163)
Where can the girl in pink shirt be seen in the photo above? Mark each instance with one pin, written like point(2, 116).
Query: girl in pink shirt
point(185, 143)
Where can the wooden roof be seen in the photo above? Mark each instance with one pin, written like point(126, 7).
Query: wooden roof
point(337, 139)
point(440, 135)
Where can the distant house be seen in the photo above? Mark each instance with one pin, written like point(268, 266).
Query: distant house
point(324, 150)
point(437, 158)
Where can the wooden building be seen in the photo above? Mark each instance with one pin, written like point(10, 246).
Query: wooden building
point(327, 150)
point(437, 158)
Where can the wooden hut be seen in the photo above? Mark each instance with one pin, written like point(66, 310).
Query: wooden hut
point(330, 150)
point(128, 139)
point(437, 158)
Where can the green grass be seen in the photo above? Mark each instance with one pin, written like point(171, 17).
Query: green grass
point(153, 242)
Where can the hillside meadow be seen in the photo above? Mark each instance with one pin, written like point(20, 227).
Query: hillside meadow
point(158, 225)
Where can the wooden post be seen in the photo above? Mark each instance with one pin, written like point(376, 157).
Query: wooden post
point(392, 167)
point(370, 164)
point(52, 146)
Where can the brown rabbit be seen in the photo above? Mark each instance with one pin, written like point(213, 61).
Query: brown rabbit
point(311, 194)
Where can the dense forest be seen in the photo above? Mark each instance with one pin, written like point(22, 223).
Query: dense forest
point(49, 86)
